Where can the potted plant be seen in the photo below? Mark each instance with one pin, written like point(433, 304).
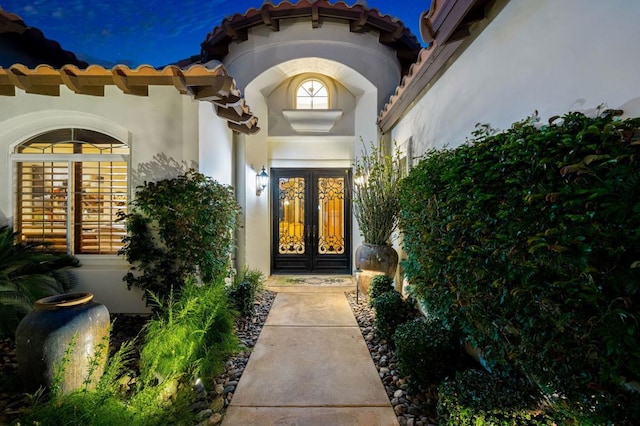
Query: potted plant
point(376, 197)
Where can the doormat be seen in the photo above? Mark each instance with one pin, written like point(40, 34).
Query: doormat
point(311, 280)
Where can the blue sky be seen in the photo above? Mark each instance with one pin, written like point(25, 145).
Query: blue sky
point(154, 32)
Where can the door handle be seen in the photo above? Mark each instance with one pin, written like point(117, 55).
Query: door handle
point(314, 232)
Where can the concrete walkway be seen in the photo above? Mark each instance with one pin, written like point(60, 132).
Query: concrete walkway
point(310, 367)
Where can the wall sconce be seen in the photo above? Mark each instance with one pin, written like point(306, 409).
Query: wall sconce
point(262, 180)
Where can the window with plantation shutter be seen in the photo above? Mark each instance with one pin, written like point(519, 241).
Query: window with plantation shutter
point(70, 184)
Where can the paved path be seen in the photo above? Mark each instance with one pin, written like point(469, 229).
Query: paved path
point(310, 367)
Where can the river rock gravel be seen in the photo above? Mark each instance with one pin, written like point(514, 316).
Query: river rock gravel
point(412, 407)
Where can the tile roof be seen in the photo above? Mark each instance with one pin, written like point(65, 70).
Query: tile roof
point(33, 41)
point(209, 82)
point(444, 26)
point(392, 31)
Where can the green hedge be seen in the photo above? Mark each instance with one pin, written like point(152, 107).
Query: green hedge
point(529, 241)
point(427, 351)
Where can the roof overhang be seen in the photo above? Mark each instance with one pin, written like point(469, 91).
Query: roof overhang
point(360, 19)
point(445, 27)
point(201, 82)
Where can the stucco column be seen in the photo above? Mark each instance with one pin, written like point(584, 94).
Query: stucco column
point(239, 184)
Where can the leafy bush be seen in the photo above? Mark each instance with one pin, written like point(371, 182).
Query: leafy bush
point(242, 292)
point(28, 272)
point(379, 285)
point(391, 310)
point(529, 239)
point(427, 351)
point(478, 398)
point(176, 228)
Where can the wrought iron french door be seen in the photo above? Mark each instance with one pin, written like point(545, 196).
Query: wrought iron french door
point(311, 218)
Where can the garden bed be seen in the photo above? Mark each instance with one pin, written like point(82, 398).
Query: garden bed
point(412, 407)
point(209, 406)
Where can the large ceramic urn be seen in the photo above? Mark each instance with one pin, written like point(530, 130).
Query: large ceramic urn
point(65, 336)
point(377, 258)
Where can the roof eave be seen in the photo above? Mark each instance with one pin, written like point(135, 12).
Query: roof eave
point(447, 26)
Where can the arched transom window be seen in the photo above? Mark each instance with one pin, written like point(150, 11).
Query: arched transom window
point(312, 94)
point(69, 186)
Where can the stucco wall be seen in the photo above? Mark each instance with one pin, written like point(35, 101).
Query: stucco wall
point(284, 95)
point(215, 149)
point(162, 131)
point(545, 55)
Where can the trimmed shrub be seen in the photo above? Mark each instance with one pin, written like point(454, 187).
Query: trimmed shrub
point(529, 239)
point(427, 351)
point(475, 397)
point(391, 310)
point(379, 285)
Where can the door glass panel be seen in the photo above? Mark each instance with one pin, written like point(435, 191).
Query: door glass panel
point(331, 239)
point(291, 215)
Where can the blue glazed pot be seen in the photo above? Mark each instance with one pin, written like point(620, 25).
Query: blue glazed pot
point(67, 323)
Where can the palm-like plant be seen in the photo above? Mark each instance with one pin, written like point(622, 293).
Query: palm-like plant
point(27, 273)
point(376, 194)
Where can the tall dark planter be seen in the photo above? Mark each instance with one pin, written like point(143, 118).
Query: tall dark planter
point(377, 258)
point(46, 333)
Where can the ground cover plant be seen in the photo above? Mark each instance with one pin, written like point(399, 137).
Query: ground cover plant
point(178, 227)
point(528, 240)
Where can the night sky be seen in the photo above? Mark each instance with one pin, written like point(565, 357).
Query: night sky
point(155, 32)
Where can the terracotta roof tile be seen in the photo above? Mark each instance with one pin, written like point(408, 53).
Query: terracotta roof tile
point(392, 31)
point(447, 26)
point(210, 82)
point(32, 40)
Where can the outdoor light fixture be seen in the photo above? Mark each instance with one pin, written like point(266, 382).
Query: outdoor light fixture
point(262, 180)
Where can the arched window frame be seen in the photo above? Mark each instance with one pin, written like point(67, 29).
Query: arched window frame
point(315, 102)
point(72, 205)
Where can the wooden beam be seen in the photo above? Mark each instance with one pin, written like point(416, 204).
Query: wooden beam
point(44, 80)
point(223, 87)
point(240, 128)
point(315, 16)
point(232, 115)
point(78, 84)
point(391, 37)
point(121, 80)
point(233, 33)
point(358, 26)
point(269, 21)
